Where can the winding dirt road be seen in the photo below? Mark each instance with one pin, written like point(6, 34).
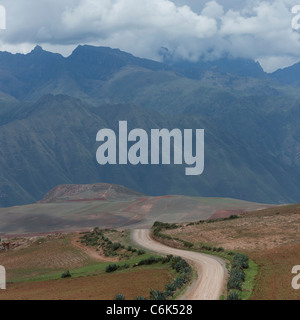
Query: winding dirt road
point(211, 270)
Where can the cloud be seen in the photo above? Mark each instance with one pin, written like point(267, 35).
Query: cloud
point(213, 10)
point(260, 30)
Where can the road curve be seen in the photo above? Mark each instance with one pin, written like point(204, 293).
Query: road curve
point(211, 271)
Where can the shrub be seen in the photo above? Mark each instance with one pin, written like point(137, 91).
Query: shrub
point(149, 261)
point(206, 247)
point(116, 246)
point(180, 265)
point(188, 244)
point(238, 274)
point(140, 252)
point(167, 259)
point(179, 282)
point(235, 283)
point(171, 287)
point(112, 268)
point(66, 274)
point(240, 261)
point(169, 294)
point(157, 295)
point(119, 297)
point(233, 296)
point(140, 298)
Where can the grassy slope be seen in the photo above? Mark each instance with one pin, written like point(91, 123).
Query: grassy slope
point(34, 272)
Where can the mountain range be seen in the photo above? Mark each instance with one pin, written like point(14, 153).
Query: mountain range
point(51, 108)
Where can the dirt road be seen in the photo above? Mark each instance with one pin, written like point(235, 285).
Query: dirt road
point(211, 271)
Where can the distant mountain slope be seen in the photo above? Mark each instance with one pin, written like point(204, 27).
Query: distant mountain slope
point(90, 192)
point(289, 75)
point(53, 142)
point(88, 71)
point(28, 77)
point(51, 108)
point(240, 67)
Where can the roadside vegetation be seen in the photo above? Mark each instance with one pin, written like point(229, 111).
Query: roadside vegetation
point(182, 276)
point(111, 243)
point(241, 269)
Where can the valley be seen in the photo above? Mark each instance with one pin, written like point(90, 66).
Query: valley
point(66, 221)
point(53, 107)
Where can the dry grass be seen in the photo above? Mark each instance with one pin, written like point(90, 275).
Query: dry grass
point(270, 237)
point(265, 229)
point(44, 255)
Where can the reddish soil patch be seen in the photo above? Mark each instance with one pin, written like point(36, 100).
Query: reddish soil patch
point(88, 200)
point(136, 205)
point(144, 205)
point(226, 213)
point(163, 197)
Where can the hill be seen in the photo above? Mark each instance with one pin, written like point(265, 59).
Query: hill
point(94, 192)
point(78, 207)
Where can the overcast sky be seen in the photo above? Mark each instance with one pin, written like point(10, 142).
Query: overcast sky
point(190, 29)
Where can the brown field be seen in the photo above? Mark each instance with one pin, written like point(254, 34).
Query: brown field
point(43, 255)
point(133, 283)
point(34, 267)
point(270, 237)
point(274, 277)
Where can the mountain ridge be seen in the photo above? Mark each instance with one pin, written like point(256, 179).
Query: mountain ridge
point(89, 192)
point(52, 110)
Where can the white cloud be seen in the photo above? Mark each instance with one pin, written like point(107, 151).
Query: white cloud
point(254, 29)
point(213, 9)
